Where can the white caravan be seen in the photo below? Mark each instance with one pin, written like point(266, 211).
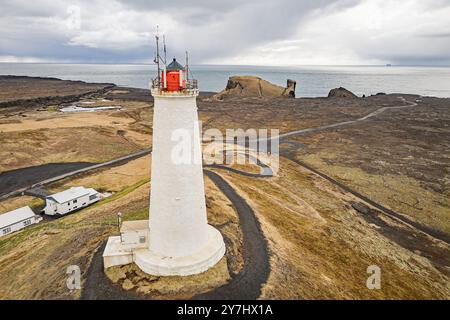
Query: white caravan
point(70, 200)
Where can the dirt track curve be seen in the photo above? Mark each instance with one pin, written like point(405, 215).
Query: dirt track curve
point(246, 285)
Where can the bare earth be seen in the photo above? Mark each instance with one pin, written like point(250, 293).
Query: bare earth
point(319, 245)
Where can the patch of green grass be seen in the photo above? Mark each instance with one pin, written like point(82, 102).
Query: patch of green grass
point(9, 242)
point(141, 214)
point(36, 202)
point(121, 193)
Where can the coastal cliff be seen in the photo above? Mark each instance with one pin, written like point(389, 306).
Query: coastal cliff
point(251, 86)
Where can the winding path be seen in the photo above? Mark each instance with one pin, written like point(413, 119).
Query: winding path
point(52, 173)
point(339, 124)
point(248, 283)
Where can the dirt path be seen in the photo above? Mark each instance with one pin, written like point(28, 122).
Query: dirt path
point(339, 124)
point(11, 181)
point(14, 182)
point(395, 215)
point(98, 286)
point(247, 284)
point(392, 214)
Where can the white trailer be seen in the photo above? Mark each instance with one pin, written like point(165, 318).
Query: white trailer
point(17, 219)
point(70, 200)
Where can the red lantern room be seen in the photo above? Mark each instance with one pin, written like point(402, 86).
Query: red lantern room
point(175, 74)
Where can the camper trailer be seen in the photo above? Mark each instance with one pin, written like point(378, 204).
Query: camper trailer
point(69, 200)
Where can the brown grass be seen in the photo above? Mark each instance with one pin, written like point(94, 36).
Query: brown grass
point(33, 261)
point(324, 255)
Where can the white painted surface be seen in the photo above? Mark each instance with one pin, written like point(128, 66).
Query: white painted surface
point(201, 260)
point(165, 77)
point(69, 200)
point(17, 219)
point(134, 234)
point(115, 254)
point(180, 240)
point(178, 224)
point(92, 109)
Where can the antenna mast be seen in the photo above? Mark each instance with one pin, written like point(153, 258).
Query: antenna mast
point(165, 51)
point(157, 55)
point(187, 66)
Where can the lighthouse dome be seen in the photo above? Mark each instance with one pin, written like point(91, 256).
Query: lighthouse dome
point(174, 65)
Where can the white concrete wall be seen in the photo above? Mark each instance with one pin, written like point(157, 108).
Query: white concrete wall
point(178, 223)
point(19, 225)
point(131, 239)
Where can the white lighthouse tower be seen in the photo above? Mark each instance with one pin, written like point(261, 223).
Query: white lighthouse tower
point(177, 239)
point(181, 242)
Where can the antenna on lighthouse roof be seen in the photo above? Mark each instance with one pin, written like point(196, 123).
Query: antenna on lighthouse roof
point(165, 51)
point(187, 66)
point(157, 55)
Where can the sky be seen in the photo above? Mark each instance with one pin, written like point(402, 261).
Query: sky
point(240, 32)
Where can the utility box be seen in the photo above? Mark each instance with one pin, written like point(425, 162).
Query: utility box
point(134, 234)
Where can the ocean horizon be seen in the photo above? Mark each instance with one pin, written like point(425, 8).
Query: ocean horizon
point(312, 81)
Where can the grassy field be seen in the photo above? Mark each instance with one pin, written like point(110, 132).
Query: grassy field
point(52, 137)
point(41, 253)
point(399, 159)
point(321, 247)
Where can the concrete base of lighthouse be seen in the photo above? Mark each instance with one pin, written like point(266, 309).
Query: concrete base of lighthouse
point(125, 249)
point(198, 262)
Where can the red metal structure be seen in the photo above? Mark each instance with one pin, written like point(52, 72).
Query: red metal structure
point(174, 72)
point(173, 79)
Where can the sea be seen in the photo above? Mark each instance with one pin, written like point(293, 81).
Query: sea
point(312, 81)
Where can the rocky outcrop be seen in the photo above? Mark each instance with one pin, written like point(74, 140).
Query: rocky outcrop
point(251, 86)
point(290, 88)
point(54, 100)
point(341, 93)
point(360, 207)
point(24, 92)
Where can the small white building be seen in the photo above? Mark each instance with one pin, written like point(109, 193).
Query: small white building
point(119, 249)
point(17, 219)
point(70, 200)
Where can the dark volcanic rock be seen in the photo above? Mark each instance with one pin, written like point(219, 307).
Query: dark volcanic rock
point(341, 93)
point(290, 87)
point(360, 207)
point(23, 91)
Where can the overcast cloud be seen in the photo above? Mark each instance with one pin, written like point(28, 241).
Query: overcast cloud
point(262, 32)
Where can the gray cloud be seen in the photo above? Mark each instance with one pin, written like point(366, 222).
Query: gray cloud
point(436, 35)
point(283, 31)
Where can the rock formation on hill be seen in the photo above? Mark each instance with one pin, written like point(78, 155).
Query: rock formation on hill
point(341, 93)
point(251, 86)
